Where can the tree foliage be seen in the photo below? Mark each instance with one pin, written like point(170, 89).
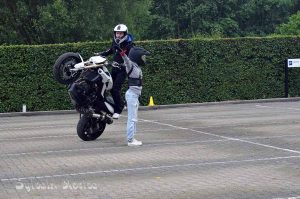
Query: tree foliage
point(61, 21)
point(227, 18)
point(292, 27)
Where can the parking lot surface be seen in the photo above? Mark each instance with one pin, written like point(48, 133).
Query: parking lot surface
point(246, 150)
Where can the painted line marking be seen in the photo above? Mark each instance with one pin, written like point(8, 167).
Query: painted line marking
point(147, 168)
point(226, 137)
point(66, 135)
point(101, 148)
point(262, 106)
point(293, 197)
point(35, 127)
point(148, 145)
point(37, 137)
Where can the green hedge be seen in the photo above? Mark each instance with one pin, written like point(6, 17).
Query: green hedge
point(179, 71)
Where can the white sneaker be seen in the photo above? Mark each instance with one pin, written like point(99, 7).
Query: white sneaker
point(135, 142)
point(116, 115)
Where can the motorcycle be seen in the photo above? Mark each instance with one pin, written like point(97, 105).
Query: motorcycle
point(88, 83)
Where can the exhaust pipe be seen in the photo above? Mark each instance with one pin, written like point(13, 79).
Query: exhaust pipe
point(101, 117)
point(104, 118)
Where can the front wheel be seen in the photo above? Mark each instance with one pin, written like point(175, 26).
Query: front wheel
point(89, 128)
point(62, 68)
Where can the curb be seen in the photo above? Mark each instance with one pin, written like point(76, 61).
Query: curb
point(294, 99)
point(145, 108)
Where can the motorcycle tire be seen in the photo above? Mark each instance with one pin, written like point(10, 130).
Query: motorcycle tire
point(89, 128)
point(62, 66)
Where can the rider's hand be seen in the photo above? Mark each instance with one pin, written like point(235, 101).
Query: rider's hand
point(99, 54)
point(123, 53)
point(115, 64)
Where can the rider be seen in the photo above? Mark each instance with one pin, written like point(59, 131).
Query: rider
point(122, 40)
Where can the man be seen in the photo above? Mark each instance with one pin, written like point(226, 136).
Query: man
point(121, 41)
point(133, 63)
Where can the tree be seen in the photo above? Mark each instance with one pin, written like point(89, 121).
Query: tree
point(163, 19)
point(69, 21)
point(292, 27)
point(226, 18)
point(60, 21)
point(16, 20)
point(260, 17)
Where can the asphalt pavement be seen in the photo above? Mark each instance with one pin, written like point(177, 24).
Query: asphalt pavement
point(238, 149)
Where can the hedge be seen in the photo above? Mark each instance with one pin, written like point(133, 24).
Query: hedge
point(178, 71)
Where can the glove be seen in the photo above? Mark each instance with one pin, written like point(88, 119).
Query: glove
point(115, 64)
point(99, 54)
point(123, 53)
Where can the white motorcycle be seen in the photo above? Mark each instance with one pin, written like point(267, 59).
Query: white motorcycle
point(88, 83)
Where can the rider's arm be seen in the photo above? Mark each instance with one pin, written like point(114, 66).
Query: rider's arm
point(107, 52)
point(127, 62)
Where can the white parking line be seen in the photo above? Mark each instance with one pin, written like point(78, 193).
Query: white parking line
point(244, 124)
point(148, 145)
point(113, 147)
point(61, 136)
point(293, 197)
point(225, 137)
point(272, 107)
point(36, 137)
point(69, 135)
point(144, 130)
point(270, 137)
point(34, 127)
point(147, 168)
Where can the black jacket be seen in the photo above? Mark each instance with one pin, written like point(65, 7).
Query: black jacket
point(125, 45)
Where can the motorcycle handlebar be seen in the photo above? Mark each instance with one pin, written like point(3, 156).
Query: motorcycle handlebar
point(116, 64)
point(86, 65)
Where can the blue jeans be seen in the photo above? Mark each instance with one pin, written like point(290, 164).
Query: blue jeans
point(132, 100)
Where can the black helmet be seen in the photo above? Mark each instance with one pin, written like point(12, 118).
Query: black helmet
point(138, 55)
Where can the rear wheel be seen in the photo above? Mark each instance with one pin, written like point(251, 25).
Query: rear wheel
point(89, 128)
point(62, 66)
